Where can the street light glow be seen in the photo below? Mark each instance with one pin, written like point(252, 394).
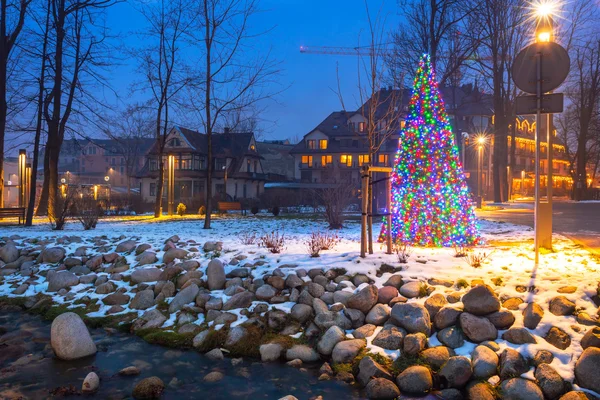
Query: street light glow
point(545, 8)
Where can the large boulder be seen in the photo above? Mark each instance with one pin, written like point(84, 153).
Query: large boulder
point(302, 352)
point(550, 381)
point(591, 338)
point(52, 255)
point(532, 315)
point(415, 380)
point(456, 371)
point(434, 304)
point(364, 300)
point(70, 338)
point(446, 317)
point(477, 329)
point(61, 280)
point(368, 369)
point(437, 356)
point(215, 273)
point(330, 338)
point(512, 363)
point(520, 389)
point(185, 296)
point(346, 351)
point(126, 246)
point(381, 389)
point(390, 338)
point(143, 299)
point(172, 254)
point(485, 362)
point(587, 367)
point(411, 316)
point(9, 252)
point(561, 306)
point(239, 300)
point(140, 275)
point(481, 300)
point(378, 315)
point(148, 388)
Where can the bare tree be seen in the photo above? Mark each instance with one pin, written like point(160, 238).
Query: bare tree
point(12, 20)
point(164, 69)
point(235, 76)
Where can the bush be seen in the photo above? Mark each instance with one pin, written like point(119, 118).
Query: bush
point(181, 208)
point(274, 241)
point(62, 211)
point(318, 241)
point(248, 238)
point(87, 211)
point(402, 251)
point(275, 211)
point(335, 200)
point(202, 210)
point(254, 210)
point(475, 260)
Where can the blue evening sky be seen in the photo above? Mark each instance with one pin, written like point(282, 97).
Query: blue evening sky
point(309, 76)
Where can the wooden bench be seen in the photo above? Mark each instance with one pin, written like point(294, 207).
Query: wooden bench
point(224, 206)
point(13, 212)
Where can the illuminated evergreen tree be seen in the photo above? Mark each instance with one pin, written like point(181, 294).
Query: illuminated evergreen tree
point(431, 203)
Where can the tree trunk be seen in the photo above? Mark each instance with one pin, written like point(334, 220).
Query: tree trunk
point(580, 172)
point(159, 186)
point(207, 108)
point(43, 202)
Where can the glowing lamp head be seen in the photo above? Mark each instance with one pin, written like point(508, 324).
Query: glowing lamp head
point(481, 140)
point(544, 37)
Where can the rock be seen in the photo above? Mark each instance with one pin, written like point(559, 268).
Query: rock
point(549, 381)
point(270, 352)
point(477, 329)
point(412, 317)
point(368, 369)
point(587, 367)
point(276, 319)
point(520, 389)
point(319, 306)
point(386, 294)
point(512, 303)
point(378, 315)
point(591, 338)
point(364, 300)
point(346, 351)
point(434, 304)
point(212, 246)
point(9, 252)
point(147, 257)
point(91, 383)
point(265, 292)
point(480, 391)
point(213, 377)
point(239, 300)
point(70, 338)
point(573, 395)
point(451, 337)
point(328, 319)
point(235, 335)
point(142, 300)
point(382, 389)
point(411, 289)
point(512, 363)
point(330, 338)
point(415, 380)
point(116, 299)
point(185, 296)
point(414, 343)
point(456, 371)
point(129, 371)
point(173, 253)
point(356, 317)
point(558, 338)
point(364, 331)
point(446, 317)
point(61, 280)
point(301, 312)
point(215, 355)
point(485, 362)
point(394, 281)
point(126, 246)
point(561, 306)
point(140, 275)
point(518, 336)
point(52, 255)
point(481, 300)
point(148, 388)
point(390, 338)
point(151, 319)
point(542, 357)
point(532, 315)
point(314, 289)
point(437, 356)
point(502, 319)
point(215, 273)
point(302, 352)
point(106, 288)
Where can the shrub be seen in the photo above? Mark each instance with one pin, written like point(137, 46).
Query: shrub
point(335, 200)
point(181, 209)
point(202, 210)
point(62, 211)
point(275, 211)
point(274, 241)
point(254, 210)
point(318, 241)
point(248, 238)
point(460, 251)
point(87, 211)
point(329, 241)
point(402, 250)
point(475, 260)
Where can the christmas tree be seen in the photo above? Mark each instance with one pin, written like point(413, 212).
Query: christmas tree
point(431, 204)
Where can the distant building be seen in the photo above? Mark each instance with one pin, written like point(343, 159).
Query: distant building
point(277, 161)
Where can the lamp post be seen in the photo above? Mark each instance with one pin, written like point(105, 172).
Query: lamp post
point(107, 179)
point(522, 180)
point(225, 178)
point(171, 191)
point(465, 136)
point(22, 176)
point(481, 139)
point(27, 183)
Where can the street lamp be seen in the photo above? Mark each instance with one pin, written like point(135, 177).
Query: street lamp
point(465, 136)
point(171, 191)
point(106, 179)
point(522, 180)
point(22, 176)
point(480, 140)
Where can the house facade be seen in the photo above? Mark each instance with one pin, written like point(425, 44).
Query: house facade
point(237, 170)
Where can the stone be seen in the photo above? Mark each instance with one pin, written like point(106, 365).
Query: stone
point(346, 351)
point(378, 315)
point(558, 338)
point(116, 299)
point(9, 252)
point(126, 246)
point(276, 319)
point(386, 294)
point(573, 395)
point(520, 389)
point(414, 343)
point(319, 306)
point(364, 331)
point(477, 329)
point(411, 289)
point(456, 371)
point(301, 312)
point(330, 318)
point(147, 257)
point(315, 290)
point(265, 292)
point(91, 383)
point(480, 391)
point(451, 337)
point(239, 300)
point(215, 355)
point(412, 317)
point(518, 336)
point(215, 273)
point(542, 357)
point(185, 296)
point(140, 275)
point(302, 352)
point(485, 362)
point(502, 319)
point(394, 281)
point(52, 255)
point(212, 246)
point(481, 300)
point(446, 317)
point(434, 304)
point(415, 380)
point(70, 338)
point(61, 280)
point(369, 369)
point(364, 300)
point(512, 363)
point(235, 335)
point(382, 389)
point(390, 338)
point(437, 356)
point(512, 304)
point(561, 306)
point(549, 381)
point(591, 338)
point(293, 281)
point(356, 317)
point(440, 282)
point(532, 315)
point(142, 300)
point(106, 288)
point(148, 388)
point(174, 253)
point(129, 371)
point(213, 377)
point(330, 338)
point(270, 352)
point(587, 367)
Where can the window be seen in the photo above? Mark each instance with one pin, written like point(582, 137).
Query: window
point(255, 166)
point(92, 150)
point(346, 142)
point(361, 126)
point(326, 160)
point(363, 159)
point(175, 142)
point(247, 165)
point(113, 161)
point(220, 164)
point(186, 162)
point(323, 144)
point(307, 161)
point(153, 189)
point(310, 144)
point(383, 159)
point(252, 147)
point(153, 165)
point(122, 169)
point(122, 161)
point(346, 159)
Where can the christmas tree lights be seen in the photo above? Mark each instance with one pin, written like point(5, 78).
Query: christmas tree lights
point(431, 203)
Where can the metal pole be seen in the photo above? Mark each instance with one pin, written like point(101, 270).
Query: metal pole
point(538, 120)
point(363, 218)
point(388, 189)
point(479, 180)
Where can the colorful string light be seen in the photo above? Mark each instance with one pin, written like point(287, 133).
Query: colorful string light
point(431, 203)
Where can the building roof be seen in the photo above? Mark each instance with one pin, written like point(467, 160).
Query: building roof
point(110, 146)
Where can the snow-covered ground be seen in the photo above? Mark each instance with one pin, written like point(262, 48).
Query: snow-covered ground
point(509, 267)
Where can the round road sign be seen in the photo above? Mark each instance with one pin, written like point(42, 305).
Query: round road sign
point(555, 67)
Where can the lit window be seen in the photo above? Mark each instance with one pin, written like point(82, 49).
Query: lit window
point(252, 147)
point(346, 159)
point(361, 126)
point(323, 144)
point(307, 160)
point(383, 159)
point(311, 144)
point(326, 160)
point(363, 159)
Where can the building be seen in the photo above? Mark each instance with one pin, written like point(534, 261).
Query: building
point(237, 171)
point(11, 182)
point(277, 162)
